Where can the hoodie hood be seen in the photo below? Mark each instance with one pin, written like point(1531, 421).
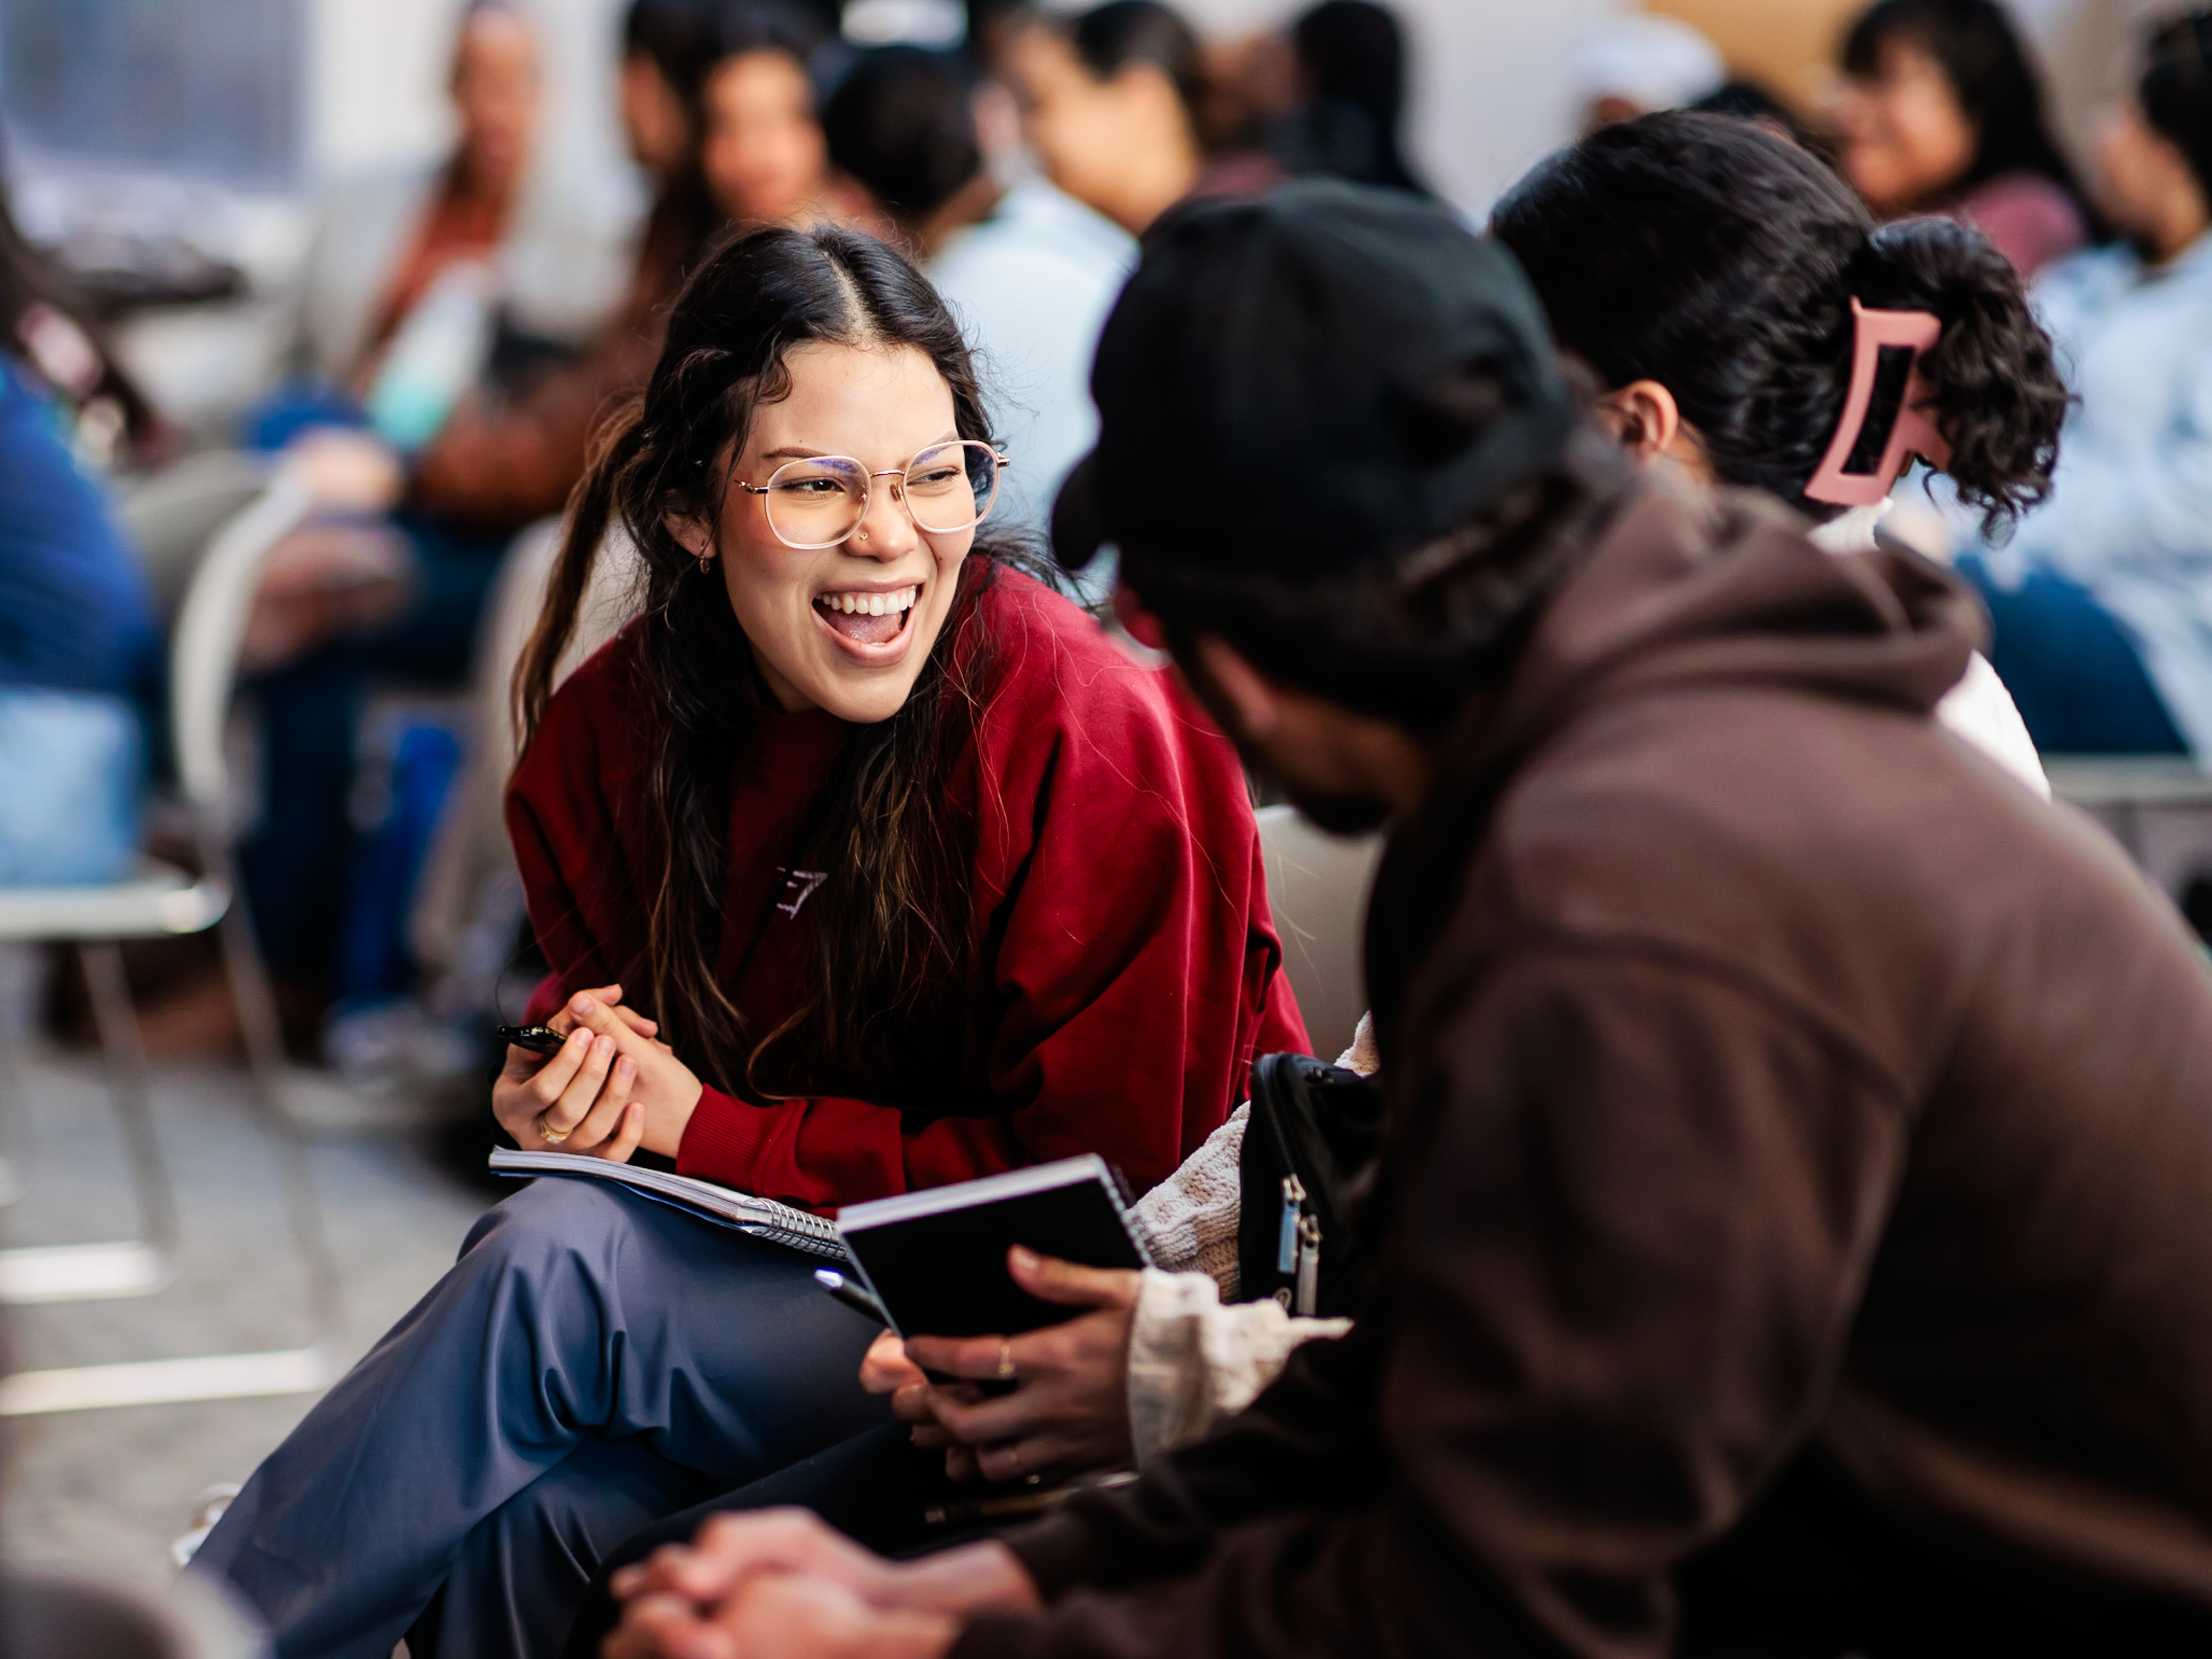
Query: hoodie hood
point(1684, 589)
point(1689, 586)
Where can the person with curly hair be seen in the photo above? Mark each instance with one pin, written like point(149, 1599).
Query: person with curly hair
point(1711, 274)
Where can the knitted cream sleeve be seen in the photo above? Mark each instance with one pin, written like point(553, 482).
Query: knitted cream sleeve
point(1191, 1217)
point(1192, 1361)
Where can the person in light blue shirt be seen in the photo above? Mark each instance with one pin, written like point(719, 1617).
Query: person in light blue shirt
point(2102, 603)
point(78, 651)
point(1029, 271)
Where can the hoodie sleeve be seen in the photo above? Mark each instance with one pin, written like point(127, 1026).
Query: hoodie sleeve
point(1621, 1277)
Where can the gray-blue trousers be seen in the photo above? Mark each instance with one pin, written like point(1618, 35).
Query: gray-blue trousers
point(594, 1362)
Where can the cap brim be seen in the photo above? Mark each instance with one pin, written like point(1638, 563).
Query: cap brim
point(1077, 530)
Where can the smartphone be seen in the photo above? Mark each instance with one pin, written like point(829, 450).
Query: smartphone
point(539, 1039)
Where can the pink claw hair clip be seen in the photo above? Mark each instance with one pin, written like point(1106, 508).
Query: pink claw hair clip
point(1914, 433)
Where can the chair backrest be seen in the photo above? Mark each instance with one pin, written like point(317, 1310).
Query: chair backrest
point(171, 516)
point(470, 847)
point(1317, 887)
point(204, 649)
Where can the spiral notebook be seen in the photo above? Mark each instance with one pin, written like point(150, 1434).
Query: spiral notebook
point(757, 1217)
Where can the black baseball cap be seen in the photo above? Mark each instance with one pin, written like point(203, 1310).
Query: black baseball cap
point(1312, 382)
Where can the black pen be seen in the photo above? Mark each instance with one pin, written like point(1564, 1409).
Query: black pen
point(851, 1295)
point(539, 1039)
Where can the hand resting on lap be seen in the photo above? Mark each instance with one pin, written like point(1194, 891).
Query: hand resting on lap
point(613, 1087)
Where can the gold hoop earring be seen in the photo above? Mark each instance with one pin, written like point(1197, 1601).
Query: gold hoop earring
point(706, 562)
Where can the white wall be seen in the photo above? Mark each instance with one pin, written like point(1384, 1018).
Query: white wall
point(1489, 86)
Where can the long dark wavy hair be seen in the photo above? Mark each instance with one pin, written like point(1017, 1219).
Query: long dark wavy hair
point(892, 941)
point(1705, 253)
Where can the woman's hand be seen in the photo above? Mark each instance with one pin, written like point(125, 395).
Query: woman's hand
point(884, 1369)
point(1069, 1410)
point(665, 1086)
point(612, 1087)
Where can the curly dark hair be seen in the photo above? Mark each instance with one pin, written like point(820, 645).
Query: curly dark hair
point(892, 935)
point(1720, 261)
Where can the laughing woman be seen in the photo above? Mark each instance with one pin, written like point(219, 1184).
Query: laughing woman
point(920, 879)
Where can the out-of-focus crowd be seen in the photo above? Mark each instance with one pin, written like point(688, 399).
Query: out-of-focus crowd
point(440, 406)
point(447, 362)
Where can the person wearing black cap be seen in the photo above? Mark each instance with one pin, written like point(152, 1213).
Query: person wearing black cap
point(1788, 1235)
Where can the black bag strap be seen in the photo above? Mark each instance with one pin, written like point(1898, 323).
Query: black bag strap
point(1314, 1130)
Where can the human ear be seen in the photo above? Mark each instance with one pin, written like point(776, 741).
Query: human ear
point(1644, 417)
point(690, 532)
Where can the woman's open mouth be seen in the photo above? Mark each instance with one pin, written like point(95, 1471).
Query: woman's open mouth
point(866, 618)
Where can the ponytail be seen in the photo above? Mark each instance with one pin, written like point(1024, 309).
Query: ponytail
point(591, 509)
point(1706, 254)
point(1995, 391)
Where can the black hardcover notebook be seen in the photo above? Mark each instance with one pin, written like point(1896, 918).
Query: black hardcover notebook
point(937, 1260)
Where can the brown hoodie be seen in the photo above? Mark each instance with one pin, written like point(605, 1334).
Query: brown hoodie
point(1797, 1222)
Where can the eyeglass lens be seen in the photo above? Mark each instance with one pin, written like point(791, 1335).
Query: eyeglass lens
point(820, 501)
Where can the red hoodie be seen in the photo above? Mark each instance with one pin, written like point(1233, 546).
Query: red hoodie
point(1130, 971)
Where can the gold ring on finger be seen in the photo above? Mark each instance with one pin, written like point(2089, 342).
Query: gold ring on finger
point(548, 1133)
point(1005, 1360)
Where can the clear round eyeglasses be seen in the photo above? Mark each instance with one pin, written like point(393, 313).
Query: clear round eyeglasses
point(820, 501)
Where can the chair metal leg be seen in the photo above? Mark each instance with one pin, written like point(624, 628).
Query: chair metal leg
point(201, 1376)
point(265, 1054)
point(118, 1268)
point(123, 1054)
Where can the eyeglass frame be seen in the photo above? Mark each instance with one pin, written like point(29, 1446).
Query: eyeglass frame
point(868, 482)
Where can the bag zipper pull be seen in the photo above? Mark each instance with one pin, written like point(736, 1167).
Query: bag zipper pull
point(1309, 1266)
point(1286, 1245)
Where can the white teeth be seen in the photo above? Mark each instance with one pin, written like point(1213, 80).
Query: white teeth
point(871, 605)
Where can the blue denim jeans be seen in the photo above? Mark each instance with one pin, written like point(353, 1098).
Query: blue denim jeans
point(2071, 668)
point(592, 1363)
point(71, 767)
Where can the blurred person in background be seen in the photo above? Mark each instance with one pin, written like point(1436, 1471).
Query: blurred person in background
point(1350, 57)
point(384, 248)
point(766, 160)
point(1706, 270)
point(392, 580)
point(1639, 64)
point(1942, 112)
point(107, 420)
point(1029, 271)
point(1111, 102)
point(2103, 602)
point(79, 649)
